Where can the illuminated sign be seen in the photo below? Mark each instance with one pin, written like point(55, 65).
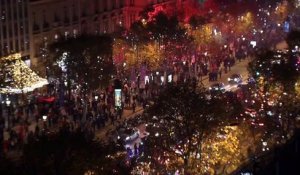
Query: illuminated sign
point(118, 97)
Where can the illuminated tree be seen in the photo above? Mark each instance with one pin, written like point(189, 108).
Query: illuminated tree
point(203, 35)
point(245, 23)
point(297, 88)
point(178, 123)
point(281, 11)
point(152, 55)
point(119, 49)
point(17, 77)
point(276, 74)
point(222, 150)
point(276, 68)
point(85, 60)
point(156, 39)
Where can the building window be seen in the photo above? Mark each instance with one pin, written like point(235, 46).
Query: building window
point(121, 3)
point(104, 5)
point(75, 33)
point(66, 34)
point(11, 45)
point(27, 42)
point(84, 27)
point(75, 17)
point(16, 30)
point(96, 4)
point(4, 31)
point(131, 2)
point(56, 18)
point(17, 45)
point(22, 45)
point(45, 23)
point(36, 28)
point(114, 4)
point(105, 27)
point(84, 9)
point(66, 16)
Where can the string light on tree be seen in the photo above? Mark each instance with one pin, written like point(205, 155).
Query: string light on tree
point(17, 77)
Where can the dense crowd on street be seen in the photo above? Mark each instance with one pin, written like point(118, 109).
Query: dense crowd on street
point(41, 116)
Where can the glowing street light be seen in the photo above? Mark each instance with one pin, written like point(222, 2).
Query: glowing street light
point(7, 101)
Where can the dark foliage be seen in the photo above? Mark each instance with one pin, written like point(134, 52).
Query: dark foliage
point(66, 153)
point(88, 60)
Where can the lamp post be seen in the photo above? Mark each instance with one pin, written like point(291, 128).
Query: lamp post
point(1, 105)
point(8, 102)
point(45, 117)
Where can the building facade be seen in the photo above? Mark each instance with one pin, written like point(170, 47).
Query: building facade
point(52, 19)
point(28, 26)
point(14, 27)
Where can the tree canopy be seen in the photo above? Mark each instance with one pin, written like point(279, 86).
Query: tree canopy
point(178, 122)
point(86, 60)
point(68, 153)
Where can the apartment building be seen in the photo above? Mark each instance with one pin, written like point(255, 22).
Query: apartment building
point(28, 26)
point(14, 27)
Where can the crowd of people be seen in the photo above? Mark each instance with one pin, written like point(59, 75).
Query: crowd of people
point(18, 124)
point(90, 113)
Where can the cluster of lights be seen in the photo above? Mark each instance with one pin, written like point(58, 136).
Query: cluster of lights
point(17, 76)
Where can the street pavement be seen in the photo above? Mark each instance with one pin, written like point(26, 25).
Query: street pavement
point(238, 68)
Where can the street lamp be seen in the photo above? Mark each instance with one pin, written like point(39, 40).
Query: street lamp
point(8, 102)
point(45, 117)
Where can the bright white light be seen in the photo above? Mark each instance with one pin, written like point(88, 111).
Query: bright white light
point(170, 78)
point(265, 143)
point(7, 102)
point(62, 62)
point(253, 43)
